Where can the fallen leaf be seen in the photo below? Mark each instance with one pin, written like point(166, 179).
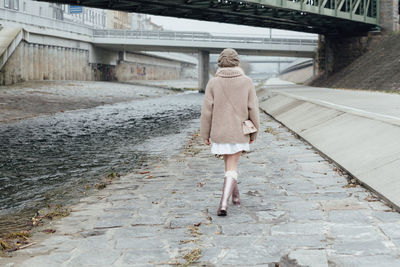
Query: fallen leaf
point(4, 245)
point(20, 234)
point(193, 256)
point(371, 199)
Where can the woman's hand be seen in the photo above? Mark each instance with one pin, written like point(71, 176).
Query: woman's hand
point(251, 141)
point(207, 142)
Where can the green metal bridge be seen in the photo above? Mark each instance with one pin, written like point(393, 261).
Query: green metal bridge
point(329, 17)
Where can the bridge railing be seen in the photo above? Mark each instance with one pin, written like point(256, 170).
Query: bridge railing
point(356, 10)
point(199, 37)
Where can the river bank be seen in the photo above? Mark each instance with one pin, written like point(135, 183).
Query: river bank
point(296, 207)
point(32, 99)
point(169, 84)
point(53, 159)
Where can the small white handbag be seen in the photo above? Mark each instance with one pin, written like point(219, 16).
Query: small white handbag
point(248, 127)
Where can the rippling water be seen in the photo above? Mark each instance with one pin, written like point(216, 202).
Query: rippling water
point(49, 159)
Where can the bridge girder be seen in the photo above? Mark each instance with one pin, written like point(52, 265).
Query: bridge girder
point(329, 17)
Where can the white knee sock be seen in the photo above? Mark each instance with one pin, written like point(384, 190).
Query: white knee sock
point(232, 174)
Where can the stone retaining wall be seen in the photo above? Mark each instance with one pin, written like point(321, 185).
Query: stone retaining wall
point(334, 53)
point(43, 62)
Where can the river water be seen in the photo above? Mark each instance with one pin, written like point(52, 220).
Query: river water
point(50, 159)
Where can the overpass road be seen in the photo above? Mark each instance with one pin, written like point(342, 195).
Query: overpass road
point(196, 41)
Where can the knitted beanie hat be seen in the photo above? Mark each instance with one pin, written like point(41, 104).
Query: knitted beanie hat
point(228, 58)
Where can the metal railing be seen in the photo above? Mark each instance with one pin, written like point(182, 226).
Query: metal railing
point(199, 37)
point(356, 10)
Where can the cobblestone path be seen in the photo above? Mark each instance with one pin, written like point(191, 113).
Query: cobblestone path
point(296, 209)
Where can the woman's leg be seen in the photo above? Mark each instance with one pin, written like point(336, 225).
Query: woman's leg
point(231, 161)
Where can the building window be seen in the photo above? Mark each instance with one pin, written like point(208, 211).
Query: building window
point(7, 3)
point(24, 6)
point(57, 12)
point(16, 4)
point(40, 11)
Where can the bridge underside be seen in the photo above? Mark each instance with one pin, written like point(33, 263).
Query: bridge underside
point(275, 52)
point(329, 17)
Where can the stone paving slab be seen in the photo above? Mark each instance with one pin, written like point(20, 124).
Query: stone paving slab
point(297, 210)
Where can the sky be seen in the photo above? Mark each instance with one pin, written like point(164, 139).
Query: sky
point(177, 24)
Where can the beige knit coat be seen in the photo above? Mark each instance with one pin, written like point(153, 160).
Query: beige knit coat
point(222, 122)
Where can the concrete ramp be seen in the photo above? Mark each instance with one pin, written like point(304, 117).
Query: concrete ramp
point(366, 144)
point(10, 37)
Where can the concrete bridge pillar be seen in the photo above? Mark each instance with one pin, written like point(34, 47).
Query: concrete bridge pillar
point(389, 15)
point(336, 52)
point(204, 69)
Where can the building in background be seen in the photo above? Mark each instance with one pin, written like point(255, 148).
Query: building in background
point(93, 17)
point(34, 8)
point(118, 20)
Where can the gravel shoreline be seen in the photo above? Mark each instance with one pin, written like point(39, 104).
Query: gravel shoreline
point(32, 99)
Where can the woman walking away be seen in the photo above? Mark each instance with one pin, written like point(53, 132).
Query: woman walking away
point(229, 120)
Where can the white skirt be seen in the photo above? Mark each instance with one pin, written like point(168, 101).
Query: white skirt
point(222, 149)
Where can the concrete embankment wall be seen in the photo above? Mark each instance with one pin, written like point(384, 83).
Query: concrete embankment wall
point(42, 57)
point(43, 62)
point(142, 67)
point(365, 144)
point(298, 76)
